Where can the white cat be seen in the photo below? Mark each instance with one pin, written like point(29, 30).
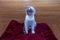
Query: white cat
point(29, 22)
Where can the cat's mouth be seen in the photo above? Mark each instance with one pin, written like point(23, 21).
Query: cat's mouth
point(30, 13)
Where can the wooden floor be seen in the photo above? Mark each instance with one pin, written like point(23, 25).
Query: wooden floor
point(47, 11)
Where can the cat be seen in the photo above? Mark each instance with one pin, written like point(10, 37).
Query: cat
point(29, 22)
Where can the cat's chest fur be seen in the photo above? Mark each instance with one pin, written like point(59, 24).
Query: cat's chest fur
point(29, 18)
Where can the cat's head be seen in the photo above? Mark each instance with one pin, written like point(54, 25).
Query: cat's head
point(30, 10)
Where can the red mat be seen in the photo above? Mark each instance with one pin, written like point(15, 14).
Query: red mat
point(14, 31)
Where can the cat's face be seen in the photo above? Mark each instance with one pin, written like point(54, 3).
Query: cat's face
point(30, 11)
